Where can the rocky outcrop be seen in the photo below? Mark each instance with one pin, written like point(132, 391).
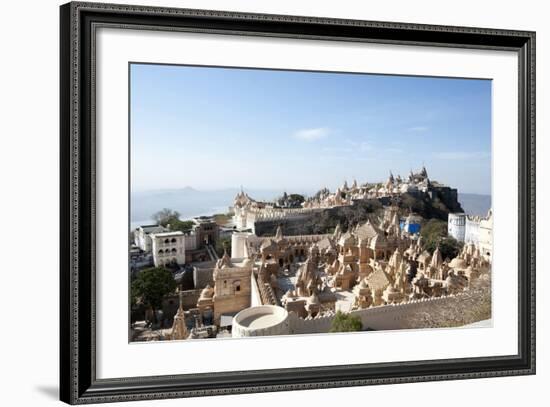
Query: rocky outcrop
point(436, 203)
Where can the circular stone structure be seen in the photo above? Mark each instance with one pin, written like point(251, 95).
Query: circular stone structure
point(263, 320)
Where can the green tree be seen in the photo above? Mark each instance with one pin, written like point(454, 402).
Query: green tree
point(434, 229)
point(182, 225)
point(448, 246)
point(166, 217)
point(296, 200)
point(434, 233)
point(151, 286)
point(345, 323)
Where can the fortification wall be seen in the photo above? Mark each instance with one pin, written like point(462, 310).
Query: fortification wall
point(385, 317)
point(273, 214)
point(292, 225)
point(320, 220)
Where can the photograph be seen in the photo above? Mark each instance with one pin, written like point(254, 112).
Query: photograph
point(292, 199)
point(270, 202)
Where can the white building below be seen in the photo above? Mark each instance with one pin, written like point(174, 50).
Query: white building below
point(473, 229)
point(263, 320)
point(456, 226)
point(168, 248)
point(142, 238)
point(486, 237)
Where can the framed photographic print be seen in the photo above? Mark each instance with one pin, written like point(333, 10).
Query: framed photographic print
point(350, 202)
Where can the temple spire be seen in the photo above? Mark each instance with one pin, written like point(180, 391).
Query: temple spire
point(437, 259)
point(279, 233)
point(179, 330)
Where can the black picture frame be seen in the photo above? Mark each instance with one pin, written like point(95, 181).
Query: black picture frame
point(78, 382)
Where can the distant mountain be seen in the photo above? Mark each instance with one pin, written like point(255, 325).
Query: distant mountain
point(475, 204)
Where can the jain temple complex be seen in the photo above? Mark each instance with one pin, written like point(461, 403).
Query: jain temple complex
point(271, 282)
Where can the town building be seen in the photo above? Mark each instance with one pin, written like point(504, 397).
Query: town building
point(197, 243)
point(232, 289)
point(472, 229)
point(411, 224)
point(142, 236)
point(206, 230)
point(485, 239)
point(456, 226)
point(168, 248)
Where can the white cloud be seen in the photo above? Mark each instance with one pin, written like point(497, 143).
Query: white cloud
point(462, 155)
point(365, 146)
point(312, 134)
point(419, 129)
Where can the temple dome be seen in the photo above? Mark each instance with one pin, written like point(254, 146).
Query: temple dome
point(458, 263)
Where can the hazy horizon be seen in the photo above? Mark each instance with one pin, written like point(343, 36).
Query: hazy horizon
point(244, 188)
point(220, 128)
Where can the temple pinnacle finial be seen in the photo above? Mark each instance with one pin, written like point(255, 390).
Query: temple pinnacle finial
point(179, 330)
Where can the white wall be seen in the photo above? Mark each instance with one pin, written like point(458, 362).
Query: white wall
point(29, 181)
point(380, 318)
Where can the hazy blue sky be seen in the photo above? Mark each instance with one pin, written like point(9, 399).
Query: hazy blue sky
point(212, 128)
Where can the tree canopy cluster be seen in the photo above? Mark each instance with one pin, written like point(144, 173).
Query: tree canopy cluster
point(291, 200)
point(170, 218)
point(345, 323)
point(151, 286)
point(434, 233)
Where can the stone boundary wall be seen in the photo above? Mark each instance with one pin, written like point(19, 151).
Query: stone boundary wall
point(384, 317)
point(203, 274)
point(171, 303)
point(255, 297)
point(190, 298)
point(267, 295)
